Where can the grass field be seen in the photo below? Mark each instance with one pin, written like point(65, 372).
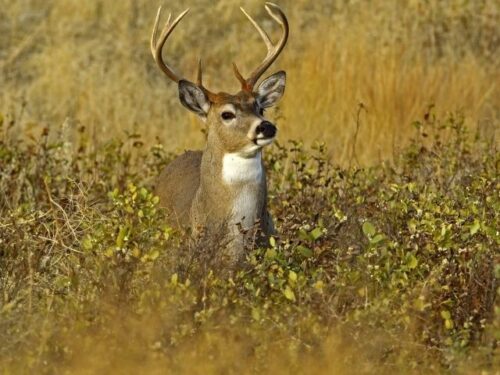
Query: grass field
point(387, 255)
point(90, 62)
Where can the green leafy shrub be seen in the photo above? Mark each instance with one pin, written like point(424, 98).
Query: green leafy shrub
point(388, 268)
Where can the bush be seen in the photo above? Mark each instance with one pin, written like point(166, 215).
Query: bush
point(388, 268)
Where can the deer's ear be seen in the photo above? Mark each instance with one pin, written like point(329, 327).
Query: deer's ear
point(193, 98)
point(271, 89)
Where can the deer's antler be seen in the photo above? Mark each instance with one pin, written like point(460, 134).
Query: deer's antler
point(273, 51)
point(157, 44)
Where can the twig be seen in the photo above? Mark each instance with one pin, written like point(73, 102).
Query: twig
point(361, 107)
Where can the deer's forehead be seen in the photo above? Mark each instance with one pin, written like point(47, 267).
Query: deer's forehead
point(242, 101)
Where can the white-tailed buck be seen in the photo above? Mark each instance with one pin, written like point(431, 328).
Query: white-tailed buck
point(224, 186)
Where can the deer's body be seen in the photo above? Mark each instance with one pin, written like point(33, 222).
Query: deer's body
point(234, 190)
point(223, 187)
point(177, 186)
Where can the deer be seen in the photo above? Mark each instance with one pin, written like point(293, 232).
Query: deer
point(223, 187)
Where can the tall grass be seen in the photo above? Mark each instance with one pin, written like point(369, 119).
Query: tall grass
point(354, 68)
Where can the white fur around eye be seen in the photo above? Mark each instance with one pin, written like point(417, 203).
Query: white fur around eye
point(229, 108)
point(228, 120)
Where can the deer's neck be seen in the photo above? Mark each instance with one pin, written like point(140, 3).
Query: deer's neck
point(240, 170)
point(238, 182)
point(244, 176)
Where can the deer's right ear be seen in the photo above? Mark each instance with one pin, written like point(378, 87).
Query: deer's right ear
point(271, 89)
point(193, 98)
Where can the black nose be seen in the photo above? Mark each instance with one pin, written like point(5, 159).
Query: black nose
point(267, 129)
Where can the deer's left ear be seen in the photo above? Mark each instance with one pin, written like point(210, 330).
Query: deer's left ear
point(271, 89)
point(193, 98)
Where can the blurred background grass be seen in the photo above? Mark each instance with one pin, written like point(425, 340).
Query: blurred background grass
point(372, 65)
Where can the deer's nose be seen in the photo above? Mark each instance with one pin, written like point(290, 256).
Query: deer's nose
point(267, 129)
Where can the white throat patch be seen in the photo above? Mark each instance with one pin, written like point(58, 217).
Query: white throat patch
point(237, 169)
point(244, 174)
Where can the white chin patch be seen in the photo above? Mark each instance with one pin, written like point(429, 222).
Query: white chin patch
point(264, 142)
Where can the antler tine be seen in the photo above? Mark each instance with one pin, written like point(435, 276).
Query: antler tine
point(240, 78)
point(157, 45)
point(273, 51)
point(262, 33)
point(154, 36)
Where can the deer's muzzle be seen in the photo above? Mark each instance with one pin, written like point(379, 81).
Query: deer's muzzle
point(266, 129)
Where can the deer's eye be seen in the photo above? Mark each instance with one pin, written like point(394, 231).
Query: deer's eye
point(261, 111)
point(228, 115)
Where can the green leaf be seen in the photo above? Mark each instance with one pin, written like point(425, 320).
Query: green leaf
point(368, 229)
point(255, 314)
point(304, 235)
point(174, 279)
point(445, 314)
point(87, 243)
point(318, 285)
point(271, 253)
point(304, 251)
point(289, 294)
point(121, 236)
point(379, 237)
point(143, 193)
point(448, 324)
point(412, 262)
point(475, 227)
point(154, 254)
point(272, 242)
point(316, 233)
point(109, 252)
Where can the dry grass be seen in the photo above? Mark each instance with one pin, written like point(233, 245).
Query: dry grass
point(90, 61)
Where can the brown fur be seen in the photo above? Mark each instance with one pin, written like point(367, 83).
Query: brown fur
point(183, 172)
point(225, 186)
point(191, 187)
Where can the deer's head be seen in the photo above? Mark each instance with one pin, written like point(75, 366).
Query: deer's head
point(236, 123)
